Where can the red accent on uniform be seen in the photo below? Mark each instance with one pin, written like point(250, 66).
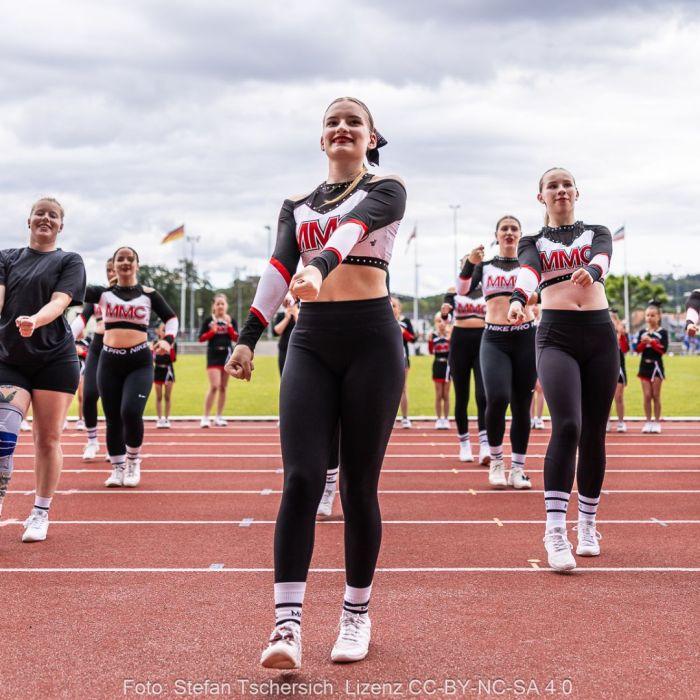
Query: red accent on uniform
point(232, 333)
point(333, 250)
point(407, 336)
point(523, 292)
point(281, 269)
point(534, 272)
point(208, 335)
point(656, 345)
point(257, 313)
point(623, 343)
point(362, 224)
point(431, 346)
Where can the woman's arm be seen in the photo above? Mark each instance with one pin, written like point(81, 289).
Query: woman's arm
point(49, 312)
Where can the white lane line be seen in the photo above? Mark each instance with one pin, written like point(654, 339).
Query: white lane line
point(403, 492)
point(216, 567)
point(277, 455)
point(659, 522)
point(387, 570)
point(247, 522)
point(482, 470)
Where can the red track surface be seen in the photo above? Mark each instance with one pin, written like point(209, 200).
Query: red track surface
point(122, 588)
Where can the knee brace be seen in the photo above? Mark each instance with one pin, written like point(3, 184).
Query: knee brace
point(10, 420)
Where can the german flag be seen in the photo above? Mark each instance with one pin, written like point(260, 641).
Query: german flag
point(173, 235)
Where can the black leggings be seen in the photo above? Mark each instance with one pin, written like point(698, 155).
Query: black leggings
point(91, 394)
point(345, 366)
point(124, 379)
point(578, 363)
point(464, 359)
point(509, 373)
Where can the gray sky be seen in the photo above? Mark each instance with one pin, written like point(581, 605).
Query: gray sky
point(140, 115)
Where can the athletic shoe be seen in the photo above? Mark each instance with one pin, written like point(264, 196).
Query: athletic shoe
point(405, 422)
point(24, 426)
point(36, 526)
point(205, 423)
point(465, 452)
point(447, 425)
point(497, 474)
point(353, 638)
point(283, 650)
point(484, 455)
point(166, 423)
point(558, 548)
point(608, 427)
point(90, 451)
point(539, 424)
point(621, 427)
point(518, 479)
point(647, 427)
point(160, 423)
point(132, 477)
point(107, 459)
point(80, 424)
point(220, 422)
point(588, 538)
point(325, 506)
point(438, 424)
point(116, 478)
point(656, 427)
point(532, 423)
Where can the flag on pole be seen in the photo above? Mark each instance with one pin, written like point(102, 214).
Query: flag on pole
point(412, 236)
point(173, 235)
point(619, 234)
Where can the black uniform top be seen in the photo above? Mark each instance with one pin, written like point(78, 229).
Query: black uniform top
point(311, 227)
point(30, 278)
point(167, 359)
point(653, 351)
point(439, 345)
point(284, 336)
point(407, 333)
point(220, 339)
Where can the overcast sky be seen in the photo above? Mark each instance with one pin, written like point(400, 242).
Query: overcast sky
point(140, 115)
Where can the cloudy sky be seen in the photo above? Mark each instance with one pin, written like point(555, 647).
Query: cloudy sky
point(140, 115)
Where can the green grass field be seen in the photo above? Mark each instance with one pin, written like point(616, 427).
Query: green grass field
point(259, 397)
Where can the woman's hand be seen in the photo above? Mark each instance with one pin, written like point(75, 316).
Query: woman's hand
point(582, 278)
point(445, 310)
point(516, 313)
point(306, 285)
point(240, 364)
point(161, 347)
point(476, 255)
point(26, 325)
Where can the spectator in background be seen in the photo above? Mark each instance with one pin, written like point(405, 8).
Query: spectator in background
point(409, 336)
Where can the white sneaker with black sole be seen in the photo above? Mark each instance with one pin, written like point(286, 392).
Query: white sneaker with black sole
point(518, 479)
point(497, 474)
point(132, 475)
point(588, 538)
point(36, 526)
point(205, 423)
point(405, 422)
point(559, 548)
point(353, 639)
point(325, 506)
point(283, 650)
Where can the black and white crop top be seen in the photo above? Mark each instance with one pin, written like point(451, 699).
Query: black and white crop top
point(496, 277)
point(467, 306)
point(130, 308)
point(554, 254)
point(323, 231)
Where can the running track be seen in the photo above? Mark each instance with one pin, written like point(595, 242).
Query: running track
point(170, 583)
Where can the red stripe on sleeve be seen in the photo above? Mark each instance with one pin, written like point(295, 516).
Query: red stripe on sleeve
point(333, 250)
point(257, 313)
point(534, 272)
point(281, 269)
point(361, 224)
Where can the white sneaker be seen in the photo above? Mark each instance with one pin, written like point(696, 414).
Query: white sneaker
point(353, 638)
point(220, 422)
point(90, 451)
point(588, 538)
point(166, 423)
point(132, 476)
point(497, 474)
point(656, 427)
point(80, 425)
point(445, 423)
point(465, 452)
point(36, 526)
point(405, 422)
point(116, 478)
point(438, 424)
point(283, 650)
point(325, 506)
point(608, 426)
point(558, 549)
point(647, 427)
point(621, 427)
point(24, 426)
point(484, 455)
point(205, 423)
point(539, 424)
point(518, 479)
point(160, 423)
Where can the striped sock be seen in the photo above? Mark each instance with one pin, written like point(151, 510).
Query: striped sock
point(357, 599)
point(289, 598)
point(556, 503)
point(42, 503)
point(118, 461)
point(464, 437)
point(483, 438)
point(132, 453)
point(92, 434)
point(587, 508)
point(517, 461)
point(332, 478)
point(496, 452)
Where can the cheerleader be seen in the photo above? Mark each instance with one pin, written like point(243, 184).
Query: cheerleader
point(345, 366)
point(219, 331)
point(692, 315)
point(652, 344)
point(624, 345)
point(409, 336)
point(82, 346)
point(163, 378)
point(578, 361)
point(439, 347)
